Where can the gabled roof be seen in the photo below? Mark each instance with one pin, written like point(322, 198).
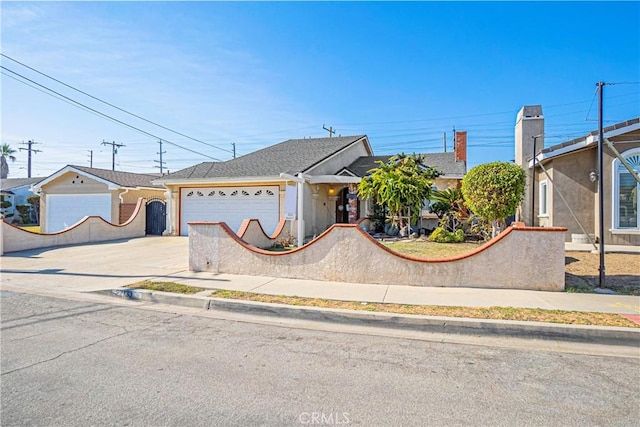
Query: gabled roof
point(9, 184)
point(445, 163)
point(114, 179)
point(587, 141)
point(292, 156)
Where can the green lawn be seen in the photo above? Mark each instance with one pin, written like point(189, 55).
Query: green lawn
point(32, 228)
point(426, 249)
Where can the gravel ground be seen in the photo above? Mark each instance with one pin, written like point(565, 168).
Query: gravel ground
point(622, 272)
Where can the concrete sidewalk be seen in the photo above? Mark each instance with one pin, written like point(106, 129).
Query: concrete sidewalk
point(94, 267)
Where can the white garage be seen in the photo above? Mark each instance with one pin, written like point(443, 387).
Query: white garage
point(64, 210)
point(231, 205)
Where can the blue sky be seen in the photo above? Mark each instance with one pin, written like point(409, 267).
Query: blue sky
point(256, 74)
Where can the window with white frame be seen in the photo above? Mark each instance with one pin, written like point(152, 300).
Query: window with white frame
point(543, 199)
point(625, 192)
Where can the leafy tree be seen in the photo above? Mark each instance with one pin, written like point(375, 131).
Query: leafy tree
point(401, 184)
point(34, 200)
point(493, 191)
point(6, 152)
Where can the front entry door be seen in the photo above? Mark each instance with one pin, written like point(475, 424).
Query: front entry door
point(342, 207)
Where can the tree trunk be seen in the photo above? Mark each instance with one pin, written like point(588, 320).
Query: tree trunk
point(4, 168)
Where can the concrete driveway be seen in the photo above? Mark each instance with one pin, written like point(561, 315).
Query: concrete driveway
point(95, 266)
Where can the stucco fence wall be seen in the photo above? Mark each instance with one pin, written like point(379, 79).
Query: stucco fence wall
point(519, 258)
point(252, 233)
point(87, 230)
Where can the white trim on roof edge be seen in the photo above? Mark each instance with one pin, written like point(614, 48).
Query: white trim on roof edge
point(588, 141)
point(36, 187)
point(247, 180)
point(367, 147)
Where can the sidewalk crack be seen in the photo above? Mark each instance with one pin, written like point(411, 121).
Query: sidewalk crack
point(384, 298)
point(261, 285)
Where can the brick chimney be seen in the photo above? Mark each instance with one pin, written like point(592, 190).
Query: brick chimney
point(460, 149)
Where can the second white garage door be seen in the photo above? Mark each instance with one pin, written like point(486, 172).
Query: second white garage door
point(231, 205)
point(64, 210)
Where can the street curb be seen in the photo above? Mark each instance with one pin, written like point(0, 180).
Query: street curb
point(434, 324)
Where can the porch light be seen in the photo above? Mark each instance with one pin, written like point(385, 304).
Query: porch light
point(332, 191)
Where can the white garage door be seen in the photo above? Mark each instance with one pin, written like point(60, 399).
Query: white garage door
point(64, 210)
point(231, 205)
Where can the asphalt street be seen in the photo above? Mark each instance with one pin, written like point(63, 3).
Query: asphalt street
point(83, 363)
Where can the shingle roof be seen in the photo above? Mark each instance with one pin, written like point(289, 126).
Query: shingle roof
point(10, 183)
point(291, 156)
point(445, 163)
point(123, 179)
point(592, 133)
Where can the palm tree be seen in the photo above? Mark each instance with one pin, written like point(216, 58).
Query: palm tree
point(6, 152)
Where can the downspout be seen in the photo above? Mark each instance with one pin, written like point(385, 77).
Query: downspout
point(169, 211)
point(300, 210)
point(121, 203)
point(122, 194)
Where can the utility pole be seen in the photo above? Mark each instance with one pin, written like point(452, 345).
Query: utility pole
point(160, 161)
point(454, 138)
point(90, 158)
point(533, 182)
point(601, 281)
point(29, 150)
point(114, 151)
point(330, 130)
point(444, 141)
point(233, 144)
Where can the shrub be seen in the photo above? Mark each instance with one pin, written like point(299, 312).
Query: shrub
point(286, 241)
point(24, 211)
point(441, 235)
point(5, 204)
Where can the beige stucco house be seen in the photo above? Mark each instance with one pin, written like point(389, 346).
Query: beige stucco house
point(74, 192)
point(572, 173)
point(312, 182)
point(296, 179)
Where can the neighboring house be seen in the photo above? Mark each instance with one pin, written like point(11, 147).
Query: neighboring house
point(74, 192)
point(298, 176)
point(15, 191)
point(572, 168)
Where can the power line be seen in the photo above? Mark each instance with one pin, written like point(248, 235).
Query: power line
point(107, 116)
point(111, 105)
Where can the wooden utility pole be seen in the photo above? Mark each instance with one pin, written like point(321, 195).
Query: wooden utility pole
point(114, 151)
point(330, 130)
point(90, 158)
point(29, 150)
point(601, 281)
point(233, 144)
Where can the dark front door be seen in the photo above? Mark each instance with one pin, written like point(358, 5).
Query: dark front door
point(156, 217)
point(342, 207)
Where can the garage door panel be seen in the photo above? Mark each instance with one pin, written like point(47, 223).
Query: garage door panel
point(230, 205)
point(65, 210)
